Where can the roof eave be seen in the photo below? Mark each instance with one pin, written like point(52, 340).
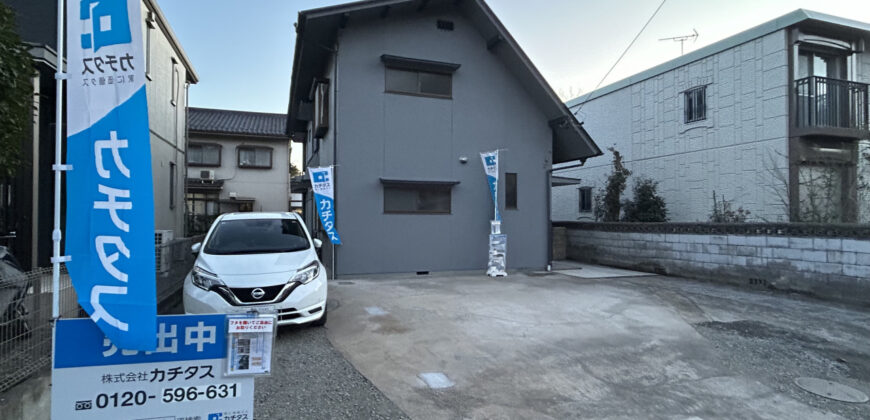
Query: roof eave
point(192, 77)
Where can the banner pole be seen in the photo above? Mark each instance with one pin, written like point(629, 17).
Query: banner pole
point(59, 76)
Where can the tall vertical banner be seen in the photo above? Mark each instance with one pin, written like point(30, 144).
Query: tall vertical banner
point(110, 202)
point(490, 166)
point(324, 200)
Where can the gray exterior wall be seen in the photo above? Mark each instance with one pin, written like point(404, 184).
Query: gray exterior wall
point(269, 187)
point(168, 123)
point(735, 151)
point(408, 137)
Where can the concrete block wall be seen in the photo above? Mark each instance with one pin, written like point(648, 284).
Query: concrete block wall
point(827, 267)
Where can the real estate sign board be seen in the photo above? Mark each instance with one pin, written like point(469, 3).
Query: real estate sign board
point(184, 377)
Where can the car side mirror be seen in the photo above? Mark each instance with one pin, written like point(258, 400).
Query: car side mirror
point(317, 243)
point(194, 249)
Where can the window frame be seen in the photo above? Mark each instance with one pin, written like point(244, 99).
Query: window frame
point(690, 95)
point(507, 196)
point(588, 192)
point(418, 187)
point(205, 165)
point(176, 83)
point(173, 184)
point(239, 150)
point(150, 24)
point(418, 92)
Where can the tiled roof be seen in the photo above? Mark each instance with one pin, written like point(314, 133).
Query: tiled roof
point(222, 121)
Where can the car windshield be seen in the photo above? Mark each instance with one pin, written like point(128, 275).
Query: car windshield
point(256, 236)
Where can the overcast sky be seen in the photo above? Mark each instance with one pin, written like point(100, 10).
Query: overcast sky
point(242, 49)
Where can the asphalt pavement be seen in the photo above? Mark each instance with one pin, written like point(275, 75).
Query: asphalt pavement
point(312, 380)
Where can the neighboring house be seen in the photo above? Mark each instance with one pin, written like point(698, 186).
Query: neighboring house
point(402, 96)
point(29, 220)
point(237, 161)
point(773, 119)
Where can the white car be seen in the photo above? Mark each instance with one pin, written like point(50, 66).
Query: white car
point(258, 261)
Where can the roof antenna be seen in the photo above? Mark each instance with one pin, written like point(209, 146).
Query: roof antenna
point(682, 39)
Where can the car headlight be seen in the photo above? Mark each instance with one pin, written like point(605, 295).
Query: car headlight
point(205, 280)
point(307, 273)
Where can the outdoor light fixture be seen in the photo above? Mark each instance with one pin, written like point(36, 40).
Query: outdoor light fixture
point(463, 160)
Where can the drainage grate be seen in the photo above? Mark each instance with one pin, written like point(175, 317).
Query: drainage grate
point(831, 389)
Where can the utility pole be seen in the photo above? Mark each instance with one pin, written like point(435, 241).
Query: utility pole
point(682, 39)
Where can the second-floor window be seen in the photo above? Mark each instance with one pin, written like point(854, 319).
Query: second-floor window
point(255, 157)
point(419, 82)
point(204, 154)
point(695, 107)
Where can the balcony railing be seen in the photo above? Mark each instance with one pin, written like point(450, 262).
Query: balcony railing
point(831, 103)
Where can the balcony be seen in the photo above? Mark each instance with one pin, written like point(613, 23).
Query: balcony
point(831, 107)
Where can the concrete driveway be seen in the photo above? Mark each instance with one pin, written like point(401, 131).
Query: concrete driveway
point(560, 346)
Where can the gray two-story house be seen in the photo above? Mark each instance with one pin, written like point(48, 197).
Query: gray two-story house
point(773, 119)
point(401, 96)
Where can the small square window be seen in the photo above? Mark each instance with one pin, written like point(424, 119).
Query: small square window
point(695, 104)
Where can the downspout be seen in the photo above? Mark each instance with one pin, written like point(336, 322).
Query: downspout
point(335, 145)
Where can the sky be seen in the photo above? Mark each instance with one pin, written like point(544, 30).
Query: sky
point(243, 49)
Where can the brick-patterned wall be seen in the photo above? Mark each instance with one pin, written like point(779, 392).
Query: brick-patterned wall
point(828, 267)
point(736, 151)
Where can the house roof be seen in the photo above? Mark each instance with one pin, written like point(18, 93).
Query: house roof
point(316, 29)
point(782, 22)
point(224, 121)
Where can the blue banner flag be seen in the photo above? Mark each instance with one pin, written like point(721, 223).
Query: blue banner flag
point(324, 200)
point(110, 202)
point(490, 166)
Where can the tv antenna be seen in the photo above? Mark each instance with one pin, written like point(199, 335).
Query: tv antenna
point(682, 39)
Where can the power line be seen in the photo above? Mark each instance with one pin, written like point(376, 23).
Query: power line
point(621, 55)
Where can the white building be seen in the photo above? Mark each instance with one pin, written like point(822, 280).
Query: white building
point(773, 119)
point(236, 161)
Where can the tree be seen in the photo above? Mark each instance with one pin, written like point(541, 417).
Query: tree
point(723, 213)
point(294, 171)
point(16, 92)
point(648, 205)
point(616, 183)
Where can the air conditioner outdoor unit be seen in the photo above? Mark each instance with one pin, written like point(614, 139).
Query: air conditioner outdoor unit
point(207, 175)
point(163, 250)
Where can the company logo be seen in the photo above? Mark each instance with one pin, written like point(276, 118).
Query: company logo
point(490, 160)
point(84, 405)
point(258, 293)
point(216, 416)
point(109, 22)
point(321, 177)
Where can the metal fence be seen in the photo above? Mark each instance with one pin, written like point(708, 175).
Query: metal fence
point(25, 325)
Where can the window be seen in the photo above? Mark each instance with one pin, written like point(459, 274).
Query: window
point(255, 157)
point(510, 191)
point(433, 199)
point(149, 26)
point(172, 185)
point(418, 82)
point(204, 154)
point(696, 104)
point(585, 199)
point(174, 95)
